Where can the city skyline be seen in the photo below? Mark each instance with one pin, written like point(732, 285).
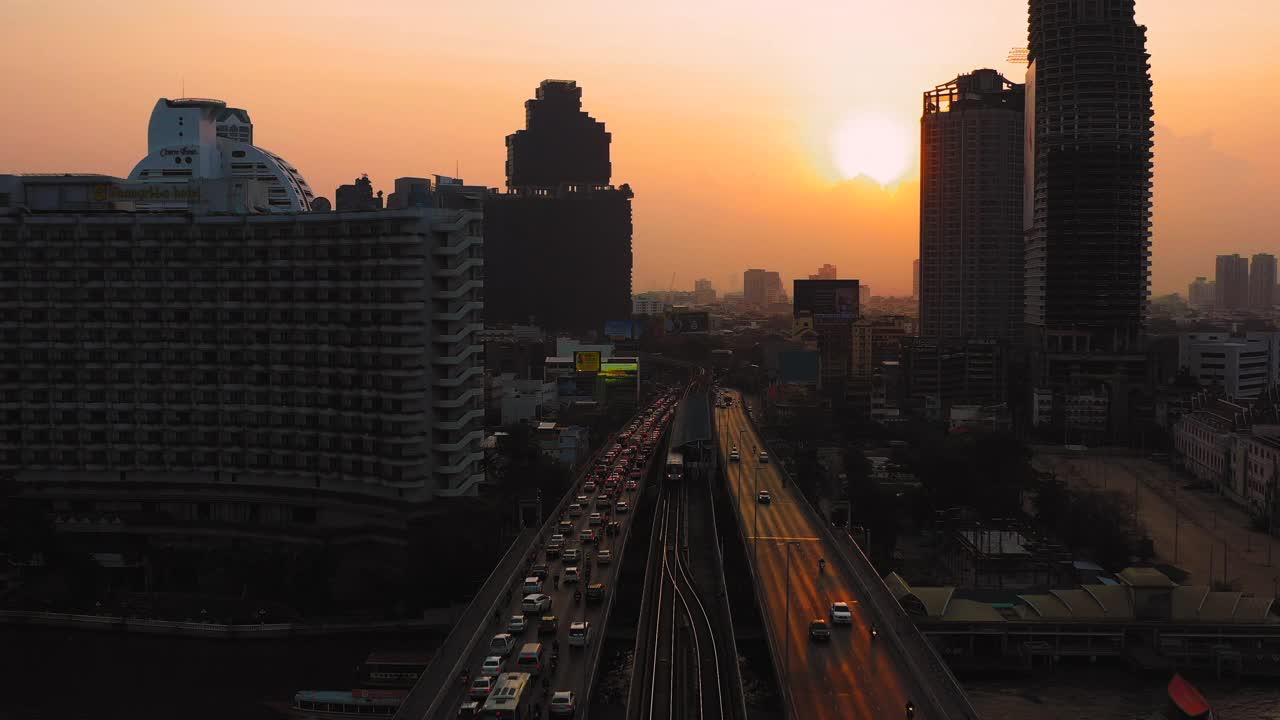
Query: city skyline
point(356, 104)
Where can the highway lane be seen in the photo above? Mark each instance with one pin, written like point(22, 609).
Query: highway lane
point(573, 669)
point(850, 676)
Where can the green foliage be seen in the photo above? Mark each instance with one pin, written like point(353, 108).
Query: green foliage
point(1096, 525)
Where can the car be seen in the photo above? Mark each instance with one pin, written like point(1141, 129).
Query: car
point(481, 687)
point(562, 703)
point(632, 485)
point(764, 458)
point(469, 709)
point(575, 510)
point(516, 624)
point(588, 537)
point(613, 528)
point(579, 633)
point(594, 519)
point(565, 527)
point(819, 630)
point(734, 455)
point(501, 644)
point(840, 614)
point(621, 507)
point(571, 575)
point(604, 557)
point(538, 570)
point(595, 592)
point(589, 486)
point(764, 498)
point(582, 500)
point(532, 585)
point(492, 666)
point(603, 502)
point(535, 603)
point(548, 625)
point(571, 556)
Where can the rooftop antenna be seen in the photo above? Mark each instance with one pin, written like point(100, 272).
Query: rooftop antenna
point(184, 86)
point(456, 169)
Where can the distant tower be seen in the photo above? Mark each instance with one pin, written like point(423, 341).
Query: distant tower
point(1088, 158)
point(1262, 282)
point(560, 144)
point(1232, 289)
point(969, 275)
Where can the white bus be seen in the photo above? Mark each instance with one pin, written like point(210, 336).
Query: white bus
point(507, 695)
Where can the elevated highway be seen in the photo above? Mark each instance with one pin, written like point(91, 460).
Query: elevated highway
point(852, 675)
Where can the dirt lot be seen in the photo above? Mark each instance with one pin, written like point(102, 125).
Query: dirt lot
point(1213, 539)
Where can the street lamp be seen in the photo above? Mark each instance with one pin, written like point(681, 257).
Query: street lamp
point(786, 620)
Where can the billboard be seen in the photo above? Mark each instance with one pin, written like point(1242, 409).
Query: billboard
point(621, 330)
point(827, 299)
point(686, 323)
point(586, 361)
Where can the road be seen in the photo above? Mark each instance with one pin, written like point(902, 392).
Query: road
point(848, 677)
point(574, 667)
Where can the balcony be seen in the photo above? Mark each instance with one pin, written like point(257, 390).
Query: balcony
point(458, 314)
point(462, 465)
point(468, 329)
point(461, 443)
point(468, 486)
point(460, 356)
point(459, 380)
point(460, 401)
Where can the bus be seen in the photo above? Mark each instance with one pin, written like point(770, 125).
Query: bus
point(508, 692)
point(675, 466)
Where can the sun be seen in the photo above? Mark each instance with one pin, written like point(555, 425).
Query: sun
point(873, 145)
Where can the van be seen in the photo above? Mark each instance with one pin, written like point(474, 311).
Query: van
point(530, 658)
point(532, 585)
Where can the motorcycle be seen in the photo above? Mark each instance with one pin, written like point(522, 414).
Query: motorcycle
point(875, 631)
point(822, 565)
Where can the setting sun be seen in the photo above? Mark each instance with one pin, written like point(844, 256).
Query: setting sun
point(873, 145)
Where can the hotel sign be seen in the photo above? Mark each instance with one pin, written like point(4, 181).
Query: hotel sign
point(139, 192)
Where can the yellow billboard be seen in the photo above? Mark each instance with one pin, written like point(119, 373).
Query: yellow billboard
point(587, 361)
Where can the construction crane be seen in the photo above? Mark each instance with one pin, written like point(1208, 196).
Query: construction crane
point(1019, 55)
point(671, 290)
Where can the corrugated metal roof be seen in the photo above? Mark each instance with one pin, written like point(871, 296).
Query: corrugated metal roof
point(1047, 606)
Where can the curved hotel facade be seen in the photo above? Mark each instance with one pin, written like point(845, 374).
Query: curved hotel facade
point(172, 363)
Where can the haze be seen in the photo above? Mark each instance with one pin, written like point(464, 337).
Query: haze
point(722, 114)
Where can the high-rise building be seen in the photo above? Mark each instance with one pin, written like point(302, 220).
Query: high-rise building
point(830, 307)
point(558, 242)
point(915, 279)
point(826, 272)
point(1088, 184)
point(1200, 293)
point(971, 237)
point(762, 287)
point(1231, 289)
point(703, 292)
point(1262, 281)
point(560, 142)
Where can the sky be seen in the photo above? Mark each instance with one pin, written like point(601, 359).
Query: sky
point(735, 123)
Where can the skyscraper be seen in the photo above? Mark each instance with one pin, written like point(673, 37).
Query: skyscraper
point(826, 272)
point(1088, 185)
point(1231, 291)
point(915, 278)
point(1262, 281)
point(1200, 293)
point(971, 241)
point(558, 241)
point(560, 142)
point(762, 287)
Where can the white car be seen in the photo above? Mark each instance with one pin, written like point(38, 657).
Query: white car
point(840, 614)
point(501, 644)
point(589, 486)
point(604, 557)
point(517, 624)
point(571, 556)
point(764, 458)
point(535, 603)
point(579, 634)
point(575, 510)
point(481, 687)
point(532, 585)
point(571, 575)
point(622, 508)
point(562, 703)
point(595, 519)
point(734, 455)
point(492, 666)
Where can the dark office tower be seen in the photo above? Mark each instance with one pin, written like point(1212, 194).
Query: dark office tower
point(1262, 282)
point(560, 143)
point(1231, 291)
point(1089, 129)
point(558, 241)
point(971, 237)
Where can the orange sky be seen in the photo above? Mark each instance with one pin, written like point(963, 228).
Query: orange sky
point(721, 112)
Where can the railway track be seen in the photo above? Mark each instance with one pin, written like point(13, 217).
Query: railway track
point(676, 675)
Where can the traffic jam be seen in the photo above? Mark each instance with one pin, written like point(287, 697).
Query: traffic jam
point(523, 659)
